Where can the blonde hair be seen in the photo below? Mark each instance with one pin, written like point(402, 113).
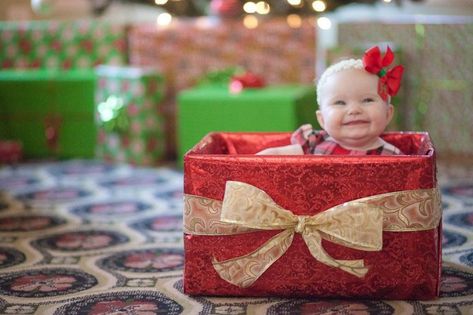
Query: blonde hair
point(337, 67)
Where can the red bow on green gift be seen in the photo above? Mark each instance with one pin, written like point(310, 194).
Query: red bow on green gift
point(389, 80)
point(246, 80)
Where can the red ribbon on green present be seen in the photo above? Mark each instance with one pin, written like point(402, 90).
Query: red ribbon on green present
point(235, 78)
point(52, 127)
point(246, 80)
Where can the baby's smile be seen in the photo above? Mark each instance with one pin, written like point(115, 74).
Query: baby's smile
point(355, 122)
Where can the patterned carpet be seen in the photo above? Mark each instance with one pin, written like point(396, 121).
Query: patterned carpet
point(82, 237)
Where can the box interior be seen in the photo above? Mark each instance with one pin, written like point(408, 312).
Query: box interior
point(411, 143)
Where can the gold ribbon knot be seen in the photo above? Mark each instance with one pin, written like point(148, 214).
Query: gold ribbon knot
point(357, 224)
point(300, 227)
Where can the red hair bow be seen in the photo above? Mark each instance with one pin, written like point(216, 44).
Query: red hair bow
point(389, 80)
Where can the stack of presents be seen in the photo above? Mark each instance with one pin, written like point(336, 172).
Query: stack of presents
point(287, 225)
point(90, 89)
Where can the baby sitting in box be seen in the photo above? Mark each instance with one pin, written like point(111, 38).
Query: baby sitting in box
point(354, 109)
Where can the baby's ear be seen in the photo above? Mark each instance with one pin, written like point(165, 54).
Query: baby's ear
point(320, 118)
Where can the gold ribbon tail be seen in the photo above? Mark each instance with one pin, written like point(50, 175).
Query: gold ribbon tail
point(314, 243)
point(243, 271)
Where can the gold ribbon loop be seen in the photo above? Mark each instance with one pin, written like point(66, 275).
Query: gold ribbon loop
point(355, 224)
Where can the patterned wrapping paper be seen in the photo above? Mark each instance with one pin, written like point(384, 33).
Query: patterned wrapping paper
point(61, 44)
point(187, 50)
point(437, 77)
point(134, 133)
point(407, 267)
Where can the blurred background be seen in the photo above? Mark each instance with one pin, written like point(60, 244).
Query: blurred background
point(126, 80)
point(138, 83)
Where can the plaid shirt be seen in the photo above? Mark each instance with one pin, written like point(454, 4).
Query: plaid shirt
point(319, 142)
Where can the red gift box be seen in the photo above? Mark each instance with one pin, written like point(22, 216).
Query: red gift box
point(326, 226)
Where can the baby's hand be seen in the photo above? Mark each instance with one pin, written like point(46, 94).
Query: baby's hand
point(301, 135)
point(292, 149)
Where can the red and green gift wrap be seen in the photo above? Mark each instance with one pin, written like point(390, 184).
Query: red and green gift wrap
point(213, 107)
point(51, 112)
point(307, 225)
point(131, 127)
point(188, 49)
point(61, 44)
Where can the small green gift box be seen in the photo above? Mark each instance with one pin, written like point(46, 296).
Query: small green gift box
point(213, 107)
point(131, 126)
point(50, 111)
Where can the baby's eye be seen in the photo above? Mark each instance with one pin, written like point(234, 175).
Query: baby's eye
point(368, 100)
point(339, 102)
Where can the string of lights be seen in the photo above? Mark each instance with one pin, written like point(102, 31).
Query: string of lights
point(251, 11)
point(239, 8)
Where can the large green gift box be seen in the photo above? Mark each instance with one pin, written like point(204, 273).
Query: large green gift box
point(50, 111)
point(128, 114)
point(209, 108)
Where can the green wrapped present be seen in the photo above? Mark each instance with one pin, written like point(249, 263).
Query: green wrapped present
point(131, 127)
point(208, 108)
point(51, 112)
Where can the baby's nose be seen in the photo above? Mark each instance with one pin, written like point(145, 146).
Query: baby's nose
point(354, 108)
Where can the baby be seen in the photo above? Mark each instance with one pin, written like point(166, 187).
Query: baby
point(354, 109)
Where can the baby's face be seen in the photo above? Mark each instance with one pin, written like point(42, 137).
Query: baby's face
point(352, 112)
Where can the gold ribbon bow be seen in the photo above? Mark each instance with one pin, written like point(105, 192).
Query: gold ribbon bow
point(357, 224)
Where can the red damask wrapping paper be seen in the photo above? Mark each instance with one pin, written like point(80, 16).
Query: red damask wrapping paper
point(407, 267)
point(189, 49)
